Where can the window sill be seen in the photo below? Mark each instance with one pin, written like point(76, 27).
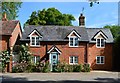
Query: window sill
point(100, 63)
point(73, 63)
point(100, 47)
point(34, 46)
point(73, 46)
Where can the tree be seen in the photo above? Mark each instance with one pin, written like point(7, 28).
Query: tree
point(11, 9)
point(50, 16)
point(25, 55)
point(116, 48)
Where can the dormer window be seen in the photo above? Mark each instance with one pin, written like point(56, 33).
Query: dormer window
point(100, 42)
point(35, 38)
point(35, 41)
point(73, 39)
point(100, 38)
point(73, 42)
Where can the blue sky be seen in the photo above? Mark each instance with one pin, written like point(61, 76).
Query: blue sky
point(105, 13)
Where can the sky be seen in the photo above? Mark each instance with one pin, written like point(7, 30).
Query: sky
point(105, 13)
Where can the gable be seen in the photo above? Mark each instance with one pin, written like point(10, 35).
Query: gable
point(74, 33)
point(54, 49)
point(107, 35)
point(35, 33)
point(100, 34)
point(8, 27)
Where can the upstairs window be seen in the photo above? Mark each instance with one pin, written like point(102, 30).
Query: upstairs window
point(100, 43)
point(73, 41)
point(35, 41)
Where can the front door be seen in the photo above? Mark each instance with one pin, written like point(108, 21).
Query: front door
point(53, 59)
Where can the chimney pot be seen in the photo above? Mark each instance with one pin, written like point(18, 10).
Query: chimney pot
point(81, 20)
point(4, 17)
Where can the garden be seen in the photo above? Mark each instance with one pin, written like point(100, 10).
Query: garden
point(25, 65)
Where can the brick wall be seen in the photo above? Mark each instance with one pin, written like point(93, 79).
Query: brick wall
point(66, 51)
point(93, 52)
point(4, 42)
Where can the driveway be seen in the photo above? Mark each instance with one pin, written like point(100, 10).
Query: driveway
point(91, 77)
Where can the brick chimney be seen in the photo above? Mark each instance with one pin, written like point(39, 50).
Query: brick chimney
point(81, 20)
point(4, 17)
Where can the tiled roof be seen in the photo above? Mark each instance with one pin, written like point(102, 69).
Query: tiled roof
point(59, 33)
point(92, 31)
point(55, 33)
point(7, 27)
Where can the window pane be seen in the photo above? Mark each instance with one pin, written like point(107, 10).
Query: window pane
point(102, 42)
point(33, 40)
point(33, 59)
point(76, 59)
point(71, 59)
point(76, 42)
point(71, 41)
point(98, 59)
point(37, 41)
point(98, 42)
point(102, 59)
point(37, 58)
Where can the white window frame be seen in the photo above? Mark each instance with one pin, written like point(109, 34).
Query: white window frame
point(73, 41)
point(35, 41)
point(73, 60)
point(100, 43)
point(35, 59)
point(100, 59)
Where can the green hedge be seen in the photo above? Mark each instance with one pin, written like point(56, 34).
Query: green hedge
point(28, 67)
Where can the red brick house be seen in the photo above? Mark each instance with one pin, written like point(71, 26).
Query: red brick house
point(10, 34)
point(70, 44)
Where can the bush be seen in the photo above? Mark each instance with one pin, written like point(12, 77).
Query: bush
point(77, 68)
point(86, 68)
point(46, 68)
point(20, 67)
point(67, 68)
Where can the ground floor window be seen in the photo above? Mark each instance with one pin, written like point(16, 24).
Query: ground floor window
point(100, 60)
point(73, 59)
point(36, 59)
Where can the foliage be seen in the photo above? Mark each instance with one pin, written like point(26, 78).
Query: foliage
point(11, 9)
point(86, 68)
point(115, 29)
point(25, 55)
point(67, 68)
point(5, 59)
point(50, 16)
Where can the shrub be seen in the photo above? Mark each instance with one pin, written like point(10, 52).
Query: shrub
point(46, 68)
point(86, 68)
point(77, 68)
point(20, 67)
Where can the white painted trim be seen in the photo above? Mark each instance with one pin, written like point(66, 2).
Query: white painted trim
point(34, 32)
point(73, 60)
point(35, 41)
point(100, 59)
point(73, 41)
point(100, 33)
point(75, 33)
point(100, 43)
point(55, 49)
